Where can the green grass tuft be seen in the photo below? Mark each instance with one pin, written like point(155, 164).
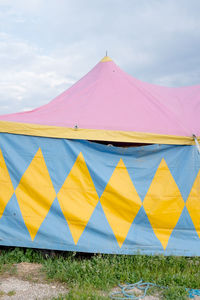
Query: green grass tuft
point(11, 293)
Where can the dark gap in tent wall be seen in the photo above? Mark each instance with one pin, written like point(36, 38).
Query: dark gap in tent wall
point(120, 144)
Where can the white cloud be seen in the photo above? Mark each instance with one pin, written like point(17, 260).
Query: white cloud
point(46, 45)
point(29, 77)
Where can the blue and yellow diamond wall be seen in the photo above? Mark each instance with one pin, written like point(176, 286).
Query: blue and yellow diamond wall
point(81, 196)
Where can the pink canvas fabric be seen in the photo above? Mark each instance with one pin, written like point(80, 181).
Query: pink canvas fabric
point(108, 98)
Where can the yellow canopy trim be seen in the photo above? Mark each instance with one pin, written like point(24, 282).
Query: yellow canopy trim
point(106, 58)
point(93, 134)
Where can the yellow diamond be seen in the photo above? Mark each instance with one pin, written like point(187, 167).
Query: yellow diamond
point(78, 197)
point(120, 202)
point(193, 204)
point(163, 203)
point(6, 190)
point(35, 194)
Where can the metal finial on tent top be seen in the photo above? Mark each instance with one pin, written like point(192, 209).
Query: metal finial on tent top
point(197, 143)
point(106, 52)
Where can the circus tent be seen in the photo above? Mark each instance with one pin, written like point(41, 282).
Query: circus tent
point(61, 191)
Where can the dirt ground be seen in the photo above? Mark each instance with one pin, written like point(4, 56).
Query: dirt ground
point(26, 281)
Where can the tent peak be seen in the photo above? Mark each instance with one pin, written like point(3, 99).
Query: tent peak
point(106, 58)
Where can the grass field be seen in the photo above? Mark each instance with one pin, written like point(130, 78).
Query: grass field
point(94, 276)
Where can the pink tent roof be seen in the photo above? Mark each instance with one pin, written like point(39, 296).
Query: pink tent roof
point(109, 99)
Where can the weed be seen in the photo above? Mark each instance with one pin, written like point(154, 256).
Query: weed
point(175, 293)
point(9, 269)
point(2, 293)
point(11, 293)
point(83, 294)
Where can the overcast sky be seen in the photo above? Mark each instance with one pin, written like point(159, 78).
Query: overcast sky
point(47, 45)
